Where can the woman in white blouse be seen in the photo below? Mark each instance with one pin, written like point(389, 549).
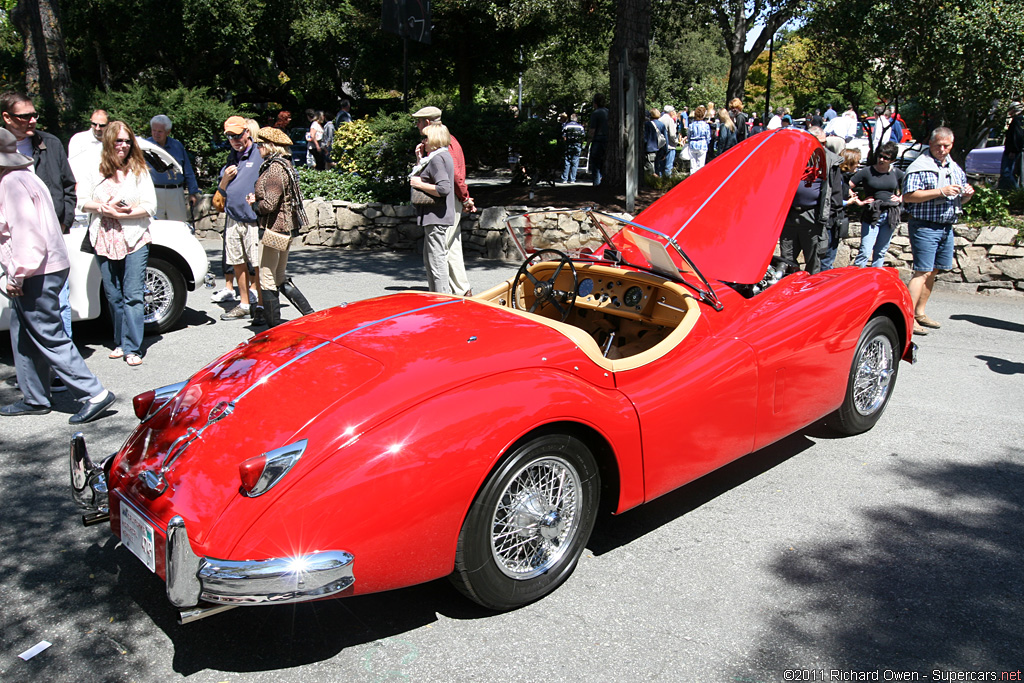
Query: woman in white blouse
point(120, 199)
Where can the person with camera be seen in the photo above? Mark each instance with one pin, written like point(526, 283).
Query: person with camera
point(934, 191)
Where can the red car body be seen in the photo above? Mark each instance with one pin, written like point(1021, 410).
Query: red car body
point(410, 407)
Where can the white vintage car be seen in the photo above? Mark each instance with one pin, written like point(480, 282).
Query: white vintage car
point(177, 265)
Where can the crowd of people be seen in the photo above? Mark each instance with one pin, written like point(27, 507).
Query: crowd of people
point(103, 181)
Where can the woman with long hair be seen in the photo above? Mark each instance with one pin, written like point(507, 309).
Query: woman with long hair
point(277, 200)
point(699, 135)
point(433, 178)
point(120, 198)
point(727, 131)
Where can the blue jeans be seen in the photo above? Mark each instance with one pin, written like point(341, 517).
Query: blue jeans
point(569, 172)
point(670, 160)
point(874, 242)
point(124, 283)
point(597, 152)
point(1009, 171)
point(931, 245)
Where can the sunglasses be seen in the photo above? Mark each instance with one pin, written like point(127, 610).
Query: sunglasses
point(237, 136)
point(123, 141)
point(27, 117)
point(887, 158)
point(101, 126)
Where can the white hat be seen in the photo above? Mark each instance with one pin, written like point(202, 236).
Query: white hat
point(668, 108)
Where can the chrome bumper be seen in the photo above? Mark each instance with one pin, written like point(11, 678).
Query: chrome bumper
point(192, 579)
point(281, 580)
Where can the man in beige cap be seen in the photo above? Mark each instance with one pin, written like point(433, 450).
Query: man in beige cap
point(457, 280)
point(237, 181)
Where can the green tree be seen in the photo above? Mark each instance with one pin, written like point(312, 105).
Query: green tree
point(688, 63)
point(959, 61)
point(46, 64)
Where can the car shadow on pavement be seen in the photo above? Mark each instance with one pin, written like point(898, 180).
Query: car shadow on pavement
point(935, 584)
point(611, 532)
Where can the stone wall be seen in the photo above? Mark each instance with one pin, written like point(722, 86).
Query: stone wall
point(988, 259)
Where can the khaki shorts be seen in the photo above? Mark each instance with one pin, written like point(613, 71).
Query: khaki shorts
point(241, 243)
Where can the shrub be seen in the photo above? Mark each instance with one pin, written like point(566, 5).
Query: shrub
point(333, 185)
point(988, 205)
point(536, 142)
point(381, 154)
point(1015, 200)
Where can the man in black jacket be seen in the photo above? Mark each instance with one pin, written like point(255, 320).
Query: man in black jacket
point(50, 161)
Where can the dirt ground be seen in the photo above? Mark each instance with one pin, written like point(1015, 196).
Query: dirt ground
point(577, 195)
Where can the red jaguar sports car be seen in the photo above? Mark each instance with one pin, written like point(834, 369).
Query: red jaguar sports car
point(416, 436)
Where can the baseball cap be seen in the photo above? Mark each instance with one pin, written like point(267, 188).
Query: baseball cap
point(234, 125)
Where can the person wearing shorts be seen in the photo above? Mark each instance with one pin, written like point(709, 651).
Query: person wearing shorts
point(934, 190)
point(241, 234)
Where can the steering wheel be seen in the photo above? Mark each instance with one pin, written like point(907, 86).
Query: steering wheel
point(544, 291)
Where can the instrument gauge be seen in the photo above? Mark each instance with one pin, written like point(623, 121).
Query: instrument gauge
point(586, 287)
point(633, 296)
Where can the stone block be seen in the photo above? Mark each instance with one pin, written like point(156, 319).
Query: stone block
point(996, 284)
point(969, 234)
point(493, 218)
point(951, 276)
point(900, 241)
point(1012, 268)
point(324, 214)
point(348, 239)
point(372, 213)
point(956, 287)
point(405, 210)
point(384, 220)
point(1003, 250)
point(347, 219)
point(996, 235)
point(1007, 293)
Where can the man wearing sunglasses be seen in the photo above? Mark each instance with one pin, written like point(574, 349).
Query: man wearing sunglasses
point(88, 142)
point(49, 161)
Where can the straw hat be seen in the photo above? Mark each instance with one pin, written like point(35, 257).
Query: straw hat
point(9, 155)
point(273, 135)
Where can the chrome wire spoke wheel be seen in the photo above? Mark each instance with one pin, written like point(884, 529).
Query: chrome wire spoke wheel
point(158, 294)
point(536, 518)
point(874, 371)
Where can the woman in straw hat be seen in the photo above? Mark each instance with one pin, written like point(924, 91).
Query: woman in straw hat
point(35, 267)
point(277, 200)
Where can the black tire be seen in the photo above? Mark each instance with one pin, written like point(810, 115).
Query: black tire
point(165, 296)
point(529, 523)
point(872, 378)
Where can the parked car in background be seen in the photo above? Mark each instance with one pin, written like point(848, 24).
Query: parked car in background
point(984, 164)
point(415, 436)
point(299, 145)
point(177, 264)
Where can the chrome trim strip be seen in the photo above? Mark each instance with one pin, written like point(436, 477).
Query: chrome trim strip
point(359, 328)
point(187, 616)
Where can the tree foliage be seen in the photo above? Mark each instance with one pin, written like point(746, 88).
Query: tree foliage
point(959, 61)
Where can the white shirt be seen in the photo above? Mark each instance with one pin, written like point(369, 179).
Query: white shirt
point(775, 122)
point(876, 135)
point(670, 126)
point(842, 126)
point(84, 153)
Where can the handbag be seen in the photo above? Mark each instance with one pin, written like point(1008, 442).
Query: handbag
point(421, 198)
point(87, 246)
point(275, 240)
point(685, 154)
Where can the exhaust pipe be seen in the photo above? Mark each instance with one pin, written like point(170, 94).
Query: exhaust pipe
point(187, 616)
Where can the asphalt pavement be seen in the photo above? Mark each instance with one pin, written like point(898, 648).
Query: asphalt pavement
point(817, 558)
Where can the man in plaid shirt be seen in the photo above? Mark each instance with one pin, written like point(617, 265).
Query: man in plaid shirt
point(934, 190)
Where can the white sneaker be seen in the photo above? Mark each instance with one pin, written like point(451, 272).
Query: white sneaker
point(223, 295)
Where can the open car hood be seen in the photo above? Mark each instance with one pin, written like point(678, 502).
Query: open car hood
point(727, 217)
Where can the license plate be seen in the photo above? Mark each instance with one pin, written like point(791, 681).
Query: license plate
point(138, 536)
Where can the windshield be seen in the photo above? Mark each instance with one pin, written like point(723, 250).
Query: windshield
point(592, 235)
